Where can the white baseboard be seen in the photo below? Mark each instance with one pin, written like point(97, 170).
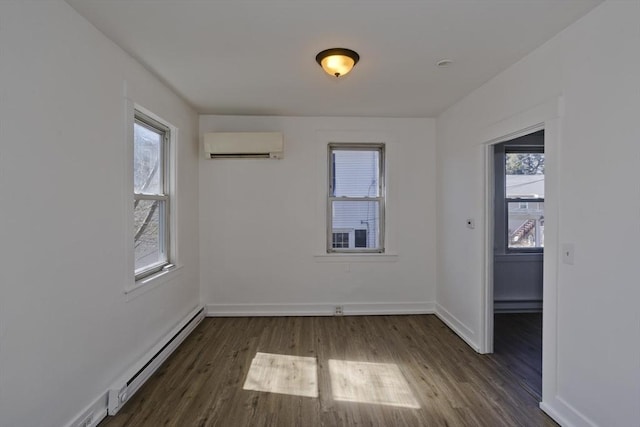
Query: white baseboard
point(95, 412)
point(425, 307)
point(125, 387)
point(565, 414)
point(517, 306)
point(326, 309)
point(462, 330)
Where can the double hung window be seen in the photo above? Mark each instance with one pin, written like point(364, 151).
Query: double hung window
point(524, 198)
point(356, 198)
point(150, 192)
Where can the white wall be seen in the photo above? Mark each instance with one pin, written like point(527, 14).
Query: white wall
point(595, 66)
point(517, 282)
point(67, 330)
point(262, 222)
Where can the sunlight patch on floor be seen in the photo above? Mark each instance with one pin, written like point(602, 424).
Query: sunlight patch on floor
point(365, 382)
point(284, 374)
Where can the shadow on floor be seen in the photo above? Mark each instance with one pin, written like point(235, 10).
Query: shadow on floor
point(518, 346)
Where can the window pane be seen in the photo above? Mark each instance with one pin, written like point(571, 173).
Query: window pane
point(147, 160)
point(360, 238)
point(524, 175)
point(148, 233)
point(352, 215)
point(526, 224)
point(356, 173)
point(340, 240)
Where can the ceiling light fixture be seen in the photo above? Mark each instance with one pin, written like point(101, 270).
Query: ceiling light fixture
point(337, 61)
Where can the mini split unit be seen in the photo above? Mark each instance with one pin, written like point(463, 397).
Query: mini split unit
point(238, 145)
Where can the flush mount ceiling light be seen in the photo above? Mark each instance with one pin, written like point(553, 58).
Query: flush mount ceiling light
point(337, 61)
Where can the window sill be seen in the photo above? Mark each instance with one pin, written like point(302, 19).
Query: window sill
point(344, 257)
point(143, 285)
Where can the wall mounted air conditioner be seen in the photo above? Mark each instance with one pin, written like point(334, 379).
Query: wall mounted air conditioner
point(230, 145)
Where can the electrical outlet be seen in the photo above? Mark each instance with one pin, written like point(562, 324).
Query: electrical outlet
point(338, 311)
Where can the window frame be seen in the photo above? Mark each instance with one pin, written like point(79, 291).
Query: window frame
point(381, 198)
point(164, 214)
point(517, 149)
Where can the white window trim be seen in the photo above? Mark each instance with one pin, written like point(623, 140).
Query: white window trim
point(142, 119)
point(134, 287)
point(381, 199)
point(321, 139)
point(355, 257)
point(521, 200)
point(151, 282)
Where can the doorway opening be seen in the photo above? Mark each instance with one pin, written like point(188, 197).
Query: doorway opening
point(518, 251)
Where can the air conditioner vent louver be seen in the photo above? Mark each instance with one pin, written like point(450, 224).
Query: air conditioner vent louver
point(239, 145)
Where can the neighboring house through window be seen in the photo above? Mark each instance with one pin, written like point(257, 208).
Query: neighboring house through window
point(356, 198)
point(520, 194)
point(524, 195)
point(151, 196)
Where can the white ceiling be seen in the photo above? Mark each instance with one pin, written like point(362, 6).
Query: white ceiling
point(258, 57)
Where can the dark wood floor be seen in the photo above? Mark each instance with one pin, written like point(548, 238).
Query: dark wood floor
point(517, 342)
point(201, 384)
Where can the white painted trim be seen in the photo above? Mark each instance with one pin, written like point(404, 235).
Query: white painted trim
point(522, 123)
point(324, 309)
point(501, 131)
point(250, 310)
point(426, 307)
point(517, 306)
point(125, 387)
point(462, 330)
point(325, 136)
point(486, 308)
point(565, 414)
point(99, 406)
point(99, 409)
point(553, 133)
point(151, 282)
point(545, 116)
point(348, 258)
point(130, 108)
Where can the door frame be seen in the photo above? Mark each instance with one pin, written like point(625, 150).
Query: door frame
point(545, 116)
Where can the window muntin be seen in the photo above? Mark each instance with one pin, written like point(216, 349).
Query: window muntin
point(356, 196)
point(524, 198)
point(340, 240)
point(150, 193)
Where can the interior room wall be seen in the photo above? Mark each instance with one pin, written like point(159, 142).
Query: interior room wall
point(594, 66)
point(517, 283)
point(263, 222)
point(67, 329)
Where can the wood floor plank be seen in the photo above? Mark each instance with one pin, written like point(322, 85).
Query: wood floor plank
point(201, 384)
point(518, 347)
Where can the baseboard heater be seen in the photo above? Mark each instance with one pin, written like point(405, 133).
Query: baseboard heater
point(123, 389)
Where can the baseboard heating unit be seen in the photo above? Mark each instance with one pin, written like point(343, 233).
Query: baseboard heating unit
point(124, 388)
